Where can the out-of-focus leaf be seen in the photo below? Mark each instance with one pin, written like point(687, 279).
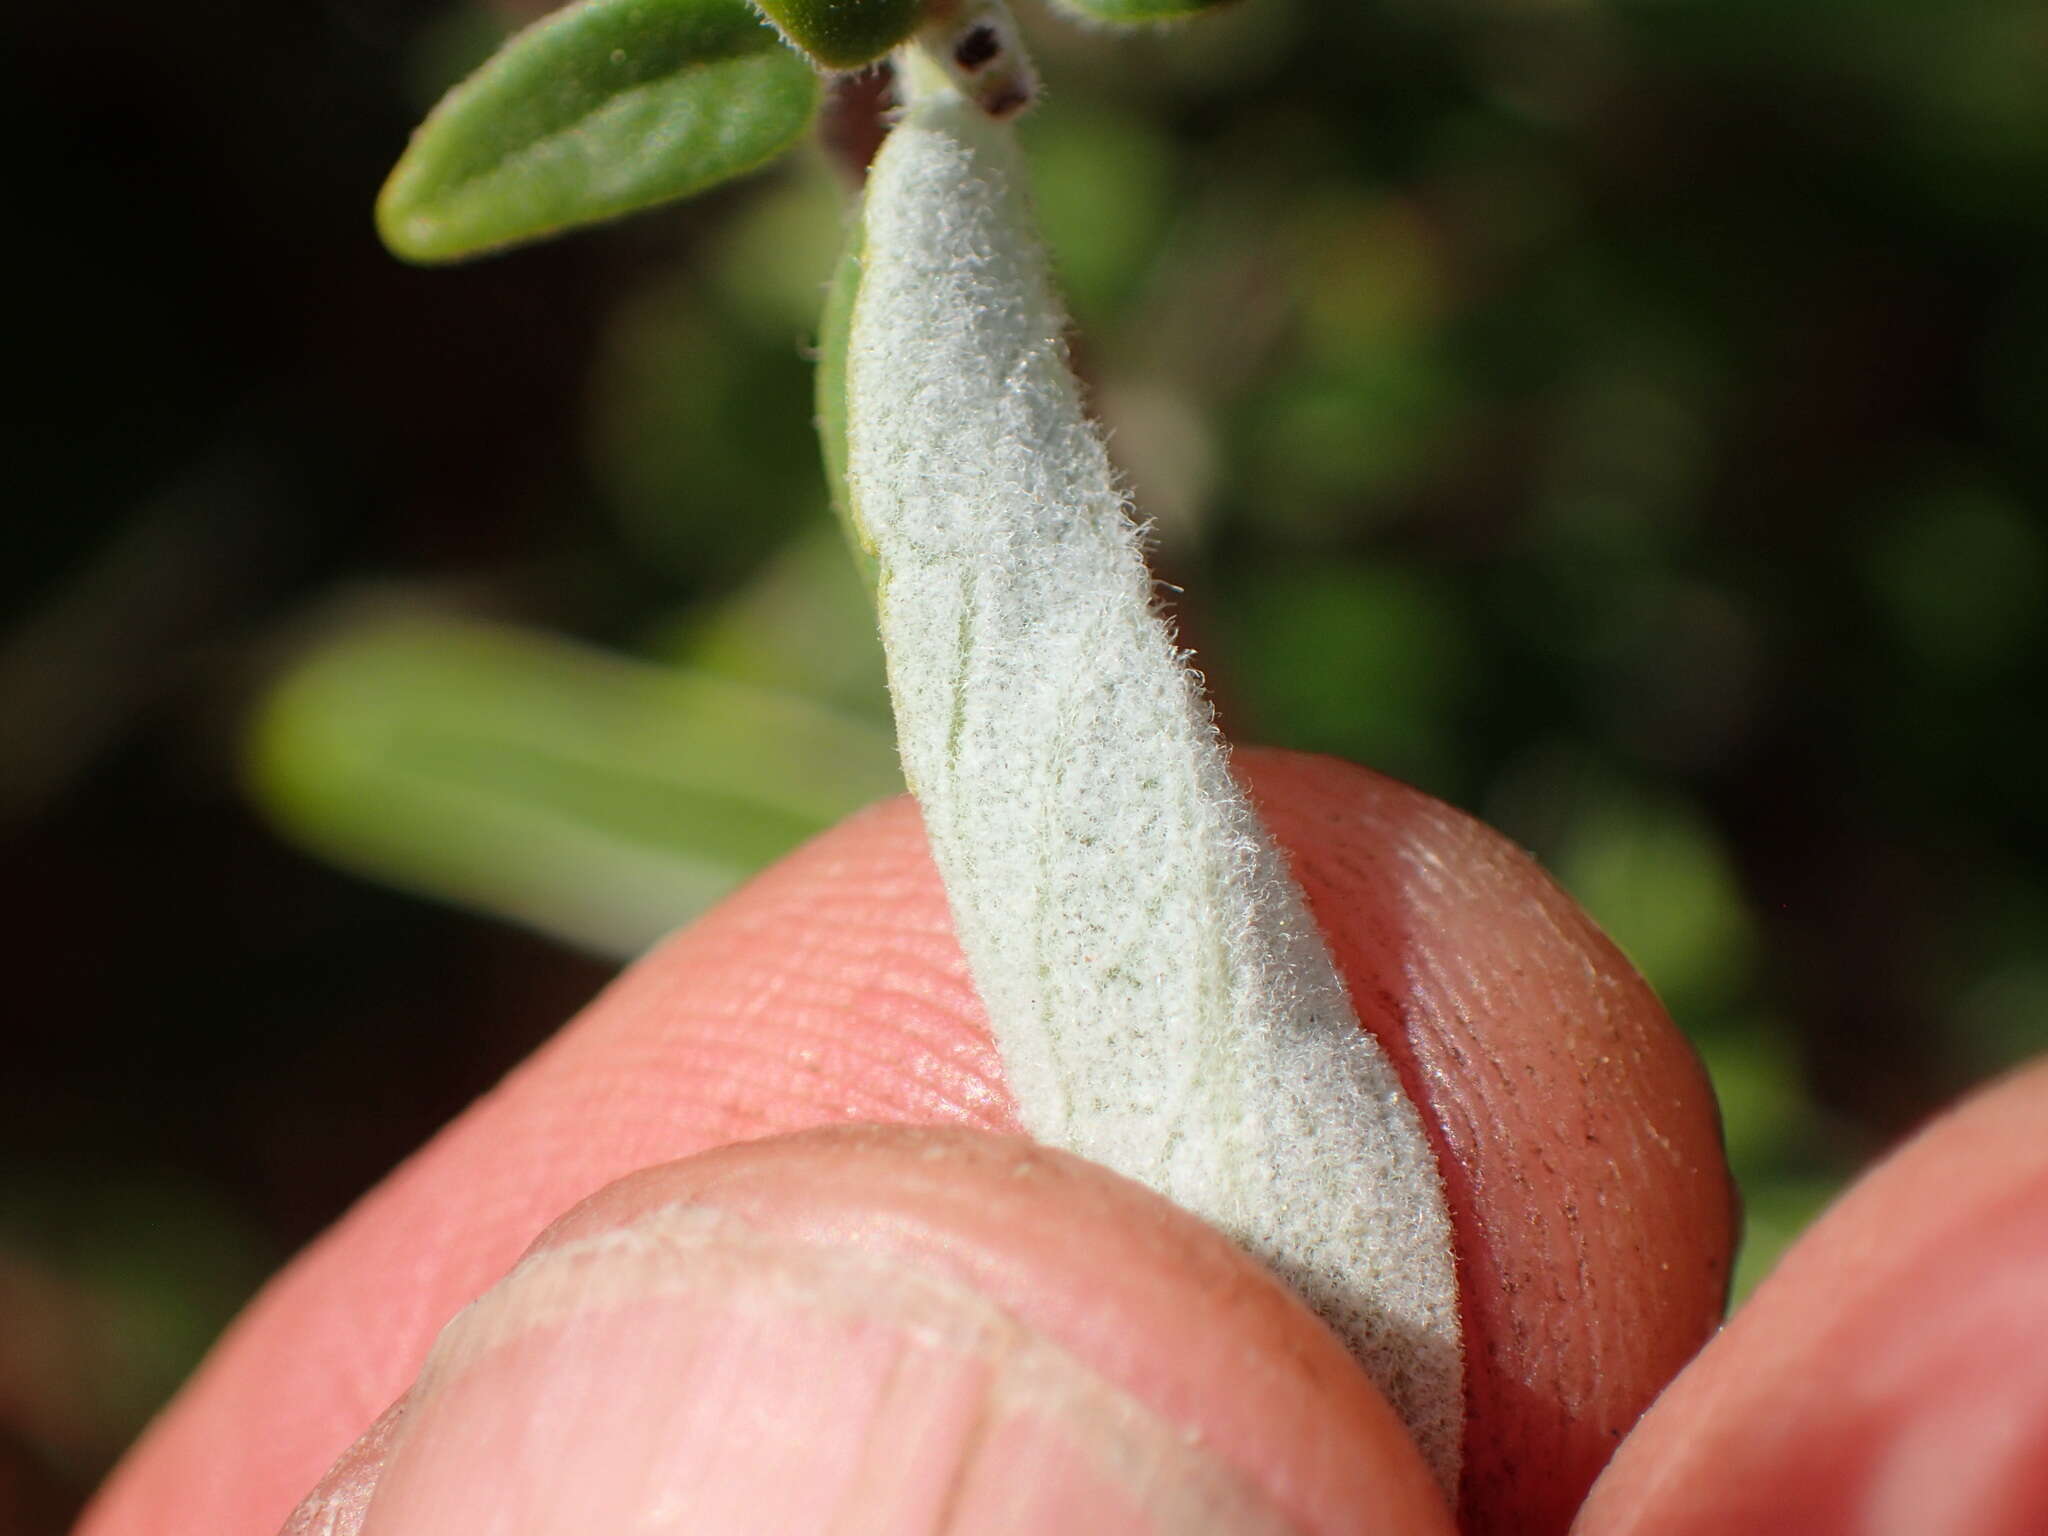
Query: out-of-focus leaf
point(1766, 1114)
point(1102, 183)
point(1655, 874)
point(1787, 1171)
point(1129, 11)
point(1361, 660)
point(600, 800)
point(1774, 1214)
point(844, 34)
point(768, 261)
point(699, 432)
point(600, 110)
point(1960, 571)
point(123, 1277)
point(804, 624)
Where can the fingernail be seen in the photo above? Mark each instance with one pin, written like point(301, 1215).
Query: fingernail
point(694, 1372)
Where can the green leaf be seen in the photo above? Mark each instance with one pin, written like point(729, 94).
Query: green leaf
point(602, 109)
point(1131, 12)
point(834, 327)
point(844, 34)
point(600, 800)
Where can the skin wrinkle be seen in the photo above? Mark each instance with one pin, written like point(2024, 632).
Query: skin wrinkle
point(730, 1039)
point(338, 1506)
point(749, 1076)
point(1001, 1218)
point(702, 1257)
point(832, 1051)
point(948, 1511)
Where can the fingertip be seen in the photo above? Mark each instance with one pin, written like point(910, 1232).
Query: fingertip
point(1887, 1376)
point(848, 1327)
point(1575, 1129)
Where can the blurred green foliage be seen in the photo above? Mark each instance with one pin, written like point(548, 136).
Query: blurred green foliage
point(1628, 420)
point(596, 799)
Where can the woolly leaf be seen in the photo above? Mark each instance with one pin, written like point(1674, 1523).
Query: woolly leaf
point(1154, 983)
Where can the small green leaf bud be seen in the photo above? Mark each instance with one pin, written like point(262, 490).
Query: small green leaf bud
point(844, 34)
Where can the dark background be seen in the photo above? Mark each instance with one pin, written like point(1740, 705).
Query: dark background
point(1626, 420)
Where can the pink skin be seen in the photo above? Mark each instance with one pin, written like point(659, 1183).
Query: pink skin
point(1575, 1130)
point(1577, 1137)
point(1164, 1309)
point(1891, 1377)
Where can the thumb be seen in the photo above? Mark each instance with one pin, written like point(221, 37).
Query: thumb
point(1574, 1132)
point(882, 1329)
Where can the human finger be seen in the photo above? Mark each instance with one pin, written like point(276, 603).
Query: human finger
point(1889, 1376)
point(884, 1329)
point(1573, 1126)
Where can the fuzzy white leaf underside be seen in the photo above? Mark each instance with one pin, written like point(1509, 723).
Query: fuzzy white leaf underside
point(1161, 999)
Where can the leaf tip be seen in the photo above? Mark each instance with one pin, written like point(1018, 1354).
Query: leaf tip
point(407, 233)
